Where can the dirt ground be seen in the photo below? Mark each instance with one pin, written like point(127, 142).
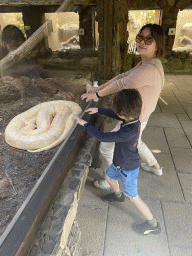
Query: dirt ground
point(22, 168)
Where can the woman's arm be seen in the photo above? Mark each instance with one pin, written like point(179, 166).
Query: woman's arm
point(116, 78)
point(111, 88)
point(120, 82)
point(95, 89)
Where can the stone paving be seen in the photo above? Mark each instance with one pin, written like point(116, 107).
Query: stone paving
point(107, 228)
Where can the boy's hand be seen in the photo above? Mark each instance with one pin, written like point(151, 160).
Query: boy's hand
point(92, 110)
point(79, 120)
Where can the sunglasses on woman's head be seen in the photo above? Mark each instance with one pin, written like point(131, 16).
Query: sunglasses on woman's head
point(148, 40)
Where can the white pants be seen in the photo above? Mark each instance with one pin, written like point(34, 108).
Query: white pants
point(106, 150)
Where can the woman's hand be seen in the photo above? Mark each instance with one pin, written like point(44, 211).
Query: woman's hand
point(92, 110)
point(79, 120)
point(92, 89)
point(88, 96)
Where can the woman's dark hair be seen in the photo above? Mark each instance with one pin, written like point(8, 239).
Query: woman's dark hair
point(128, 103)
point(158, 34)
point(11, 32)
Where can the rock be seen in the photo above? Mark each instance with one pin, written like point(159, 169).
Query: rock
point(169, 21)
point(8, 93)
point(175, 64)
point(164, 60)
point(175, 54)
point(183, 55)
point(166, 69)
point(170, 41)
point(162, 3)
point(188, 65)
point(171, 2)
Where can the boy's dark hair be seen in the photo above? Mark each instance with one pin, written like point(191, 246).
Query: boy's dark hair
point(128, 103)
point(158, 34)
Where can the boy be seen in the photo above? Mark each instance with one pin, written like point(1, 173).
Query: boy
point(127, 108)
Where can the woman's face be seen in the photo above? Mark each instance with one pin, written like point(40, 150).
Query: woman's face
point(13, 41)
point(146, 51)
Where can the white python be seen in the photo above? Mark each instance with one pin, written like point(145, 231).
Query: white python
point(43, 126)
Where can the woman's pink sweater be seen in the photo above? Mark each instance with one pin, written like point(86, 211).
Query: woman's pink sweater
point(146, 78)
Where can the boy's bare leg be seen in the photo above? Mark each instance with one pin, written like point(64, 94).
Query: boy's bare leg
point(114, 184)
point(151, 225)
point(142, 207)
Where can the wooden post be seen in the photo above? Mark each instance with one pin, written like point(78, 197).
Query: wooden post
point(108, 24)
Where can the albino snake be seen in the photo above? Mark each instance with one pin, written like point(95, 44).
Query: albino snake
point(43, 126)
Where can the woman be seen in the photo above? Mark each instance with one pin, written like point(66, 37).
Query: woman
point(12, 38)
point(148, 78)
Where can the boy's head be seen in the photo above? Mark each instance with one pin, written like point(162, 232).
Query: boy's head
point(127, 103)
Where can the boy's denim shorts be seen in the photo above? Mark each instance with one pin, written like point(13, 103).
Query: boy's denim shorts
point(128, 179)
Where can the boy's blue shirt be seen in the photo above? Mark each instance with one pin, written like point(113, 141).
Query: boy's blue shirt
point(126, 138)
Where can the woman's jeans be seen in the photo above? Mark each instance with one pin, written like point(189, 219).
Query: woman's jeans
point(107, 149)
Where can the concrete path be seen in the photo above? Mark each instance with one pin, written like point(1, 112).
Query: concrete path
point(107, 228)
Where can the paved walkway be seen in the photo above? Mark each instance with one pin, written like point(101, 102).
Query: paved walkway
point(106, 228)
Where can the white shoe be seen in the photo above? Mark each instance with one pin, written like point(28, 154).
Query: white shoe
point(147, 168)
point(101, 184)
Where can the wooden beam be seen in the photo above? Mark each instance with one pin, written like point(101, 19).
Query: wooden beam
point(21, 3)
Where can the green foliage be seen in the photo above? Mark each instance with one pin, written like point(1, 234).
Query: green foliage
point(138, 18)
point(15, 19)
point(150, 18)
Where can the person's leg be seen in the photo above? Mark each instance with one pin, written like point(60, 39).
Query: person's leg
point(150, 162)
point(142, 207)
point(114, 184)
point(111, 176)
point(106, 155)
point(129, 183)
point(149, 226)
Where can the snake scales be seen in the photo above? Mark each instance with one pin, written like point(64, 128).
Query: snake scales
point(43, 126)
